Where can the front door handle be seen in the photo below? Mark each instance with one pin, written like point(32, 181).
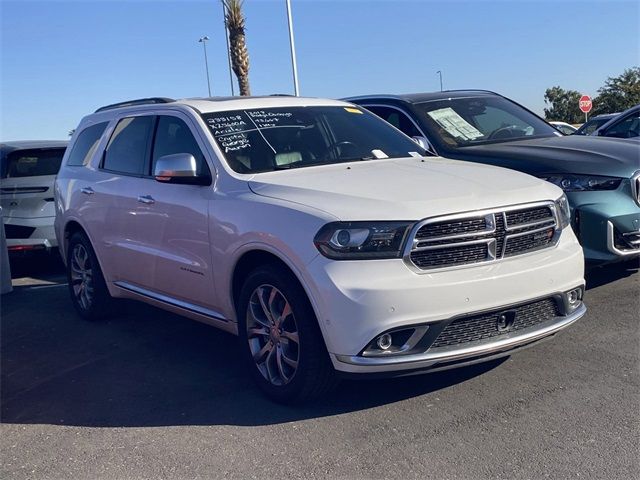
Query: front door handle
point(87, 190)
point(146, 199)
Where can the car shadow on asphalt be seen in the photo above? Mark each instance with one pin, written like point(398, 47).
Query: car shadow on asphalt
point(147, 367)
point(597, 276)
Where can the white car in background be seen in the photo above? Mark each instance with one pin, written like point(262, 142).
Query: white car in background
point(564, 127)
point(28, 170)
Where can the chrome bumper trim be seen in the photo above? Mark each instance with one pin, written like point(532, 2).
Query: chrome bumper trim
point(506, 342)
point(611, 246)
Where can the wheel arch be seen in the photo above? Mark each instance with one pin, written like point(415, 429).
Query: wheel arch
point(256, 257)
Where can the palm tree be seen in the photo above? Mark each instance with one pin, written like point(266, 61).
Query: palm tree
point(234, 19)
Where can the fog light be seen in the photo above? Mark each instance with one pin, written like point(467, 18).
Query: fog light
point(384, 341)
point(573, 297)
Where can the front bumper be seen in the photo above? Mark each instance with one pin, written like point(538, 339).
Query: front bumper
point(459, 356)
point(355, 301)
point(607, 224)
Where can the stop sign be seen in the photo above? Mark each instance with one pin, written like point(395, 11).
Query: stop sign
point(585, 103)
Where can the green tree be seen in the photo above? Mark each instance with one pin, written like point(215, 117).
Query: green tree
point(235, 21)
point(618, 93)
point(563, 105)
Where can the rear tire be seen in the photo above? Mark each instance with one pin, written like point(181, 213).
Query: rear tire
point(87, 287)
point(280, 337)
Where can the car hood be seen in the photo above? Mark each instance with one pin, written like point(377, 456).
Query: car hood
point(571, 154)
point(402, 189)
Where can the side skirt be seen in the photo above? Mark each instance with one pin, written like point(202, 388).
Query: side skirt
point(179, 307)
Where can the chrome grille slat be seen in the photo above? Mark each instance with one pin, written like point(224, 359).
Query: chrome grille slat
point(459, 240)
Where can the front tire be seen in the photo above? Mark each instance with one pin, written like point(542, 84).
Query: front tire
point(87, 287)
point(281, 338)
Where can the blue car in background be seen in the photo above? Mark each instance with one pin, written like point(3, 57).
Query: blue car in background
point(600, 175)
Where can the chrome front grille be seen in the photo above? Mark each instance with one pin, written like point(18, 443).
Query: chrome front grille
point(464, 239)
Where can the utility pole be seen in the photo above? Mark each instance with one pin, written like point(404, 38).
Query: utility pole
point(203, 41)
point(439, 72)
point(293, 50)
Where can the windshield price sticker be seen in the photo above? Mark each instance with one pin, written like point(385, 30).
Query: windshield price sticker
point(454, 124)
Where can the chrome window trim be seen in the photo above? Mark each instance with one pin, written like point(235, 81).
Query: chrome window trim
point(411, 245)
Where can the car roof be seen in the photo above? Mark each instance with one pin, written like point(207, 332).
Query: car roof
point(218, 104)
point(426, 96)
point(28, 144)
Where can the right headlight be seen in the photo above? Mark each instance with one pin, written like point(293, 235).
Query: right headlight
point(579, 183)
point(362, 240)
point(564, 213)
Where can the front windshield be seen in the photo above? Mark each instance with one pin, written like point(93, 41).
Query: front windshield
point(262, 140)
point(461, 122)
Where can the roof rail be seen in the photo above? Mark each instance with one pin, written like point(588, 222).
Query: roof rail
point(132, 103)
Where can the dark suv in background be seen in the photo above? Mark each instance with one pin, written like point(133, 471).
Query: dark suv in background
point(600, 175)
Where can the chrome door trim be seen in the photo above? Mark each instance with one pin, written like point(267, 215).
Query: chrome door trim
point(172, 301)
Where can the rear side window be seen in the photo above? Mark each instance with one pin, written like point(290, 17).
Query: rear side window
point(86, 144)
point(173, 136)
point(33, 162)
point(128, 148)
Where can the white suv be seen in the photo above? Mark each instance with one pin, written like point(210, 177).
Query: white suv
point(27, 172)
point(318, 233)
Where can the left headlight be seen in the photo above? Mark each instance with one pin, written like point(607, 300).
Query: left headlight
point(564, 213)
point(579, 183)
point(362, 240)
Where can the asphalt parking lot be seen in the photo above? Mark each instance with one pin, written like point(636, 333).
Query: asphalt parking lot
point(151, 395)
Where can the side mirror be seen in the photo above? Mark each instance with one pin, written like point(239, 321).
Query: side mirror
point(424, 143)
point(179, 168)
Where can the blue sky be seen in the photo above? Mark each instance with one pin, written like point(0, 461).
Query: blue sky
point(62, 59)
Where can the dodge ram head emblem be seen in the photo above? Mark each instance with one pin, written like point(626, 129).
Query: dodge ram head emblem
point(505, 320)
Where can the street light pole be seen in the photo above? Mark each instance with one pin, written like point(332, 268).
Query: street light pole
point(293, 50)
point(226, 37)
point(439, 72)
point(203, 41)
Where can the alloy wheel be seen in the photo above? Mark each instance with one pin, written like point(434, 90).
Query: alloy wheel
point(82, 276)
point(272, 334)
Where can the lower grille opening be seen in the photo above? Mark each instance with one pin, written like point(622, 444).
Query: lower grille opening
point(487, 325)
point(17, 231)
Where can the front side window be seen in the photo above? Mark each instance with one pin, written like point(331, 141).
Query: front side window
point(261, 140)
point(33, 162)
point(86, 144)
point(173, 136)
point(627, 128)
point(460, 122)
point(591, 126)
point(398, 119)
point(128, 146)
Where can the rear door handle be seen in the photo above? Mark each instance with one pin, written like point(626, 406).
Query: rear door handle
point(87, 190)
point(146, 199)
